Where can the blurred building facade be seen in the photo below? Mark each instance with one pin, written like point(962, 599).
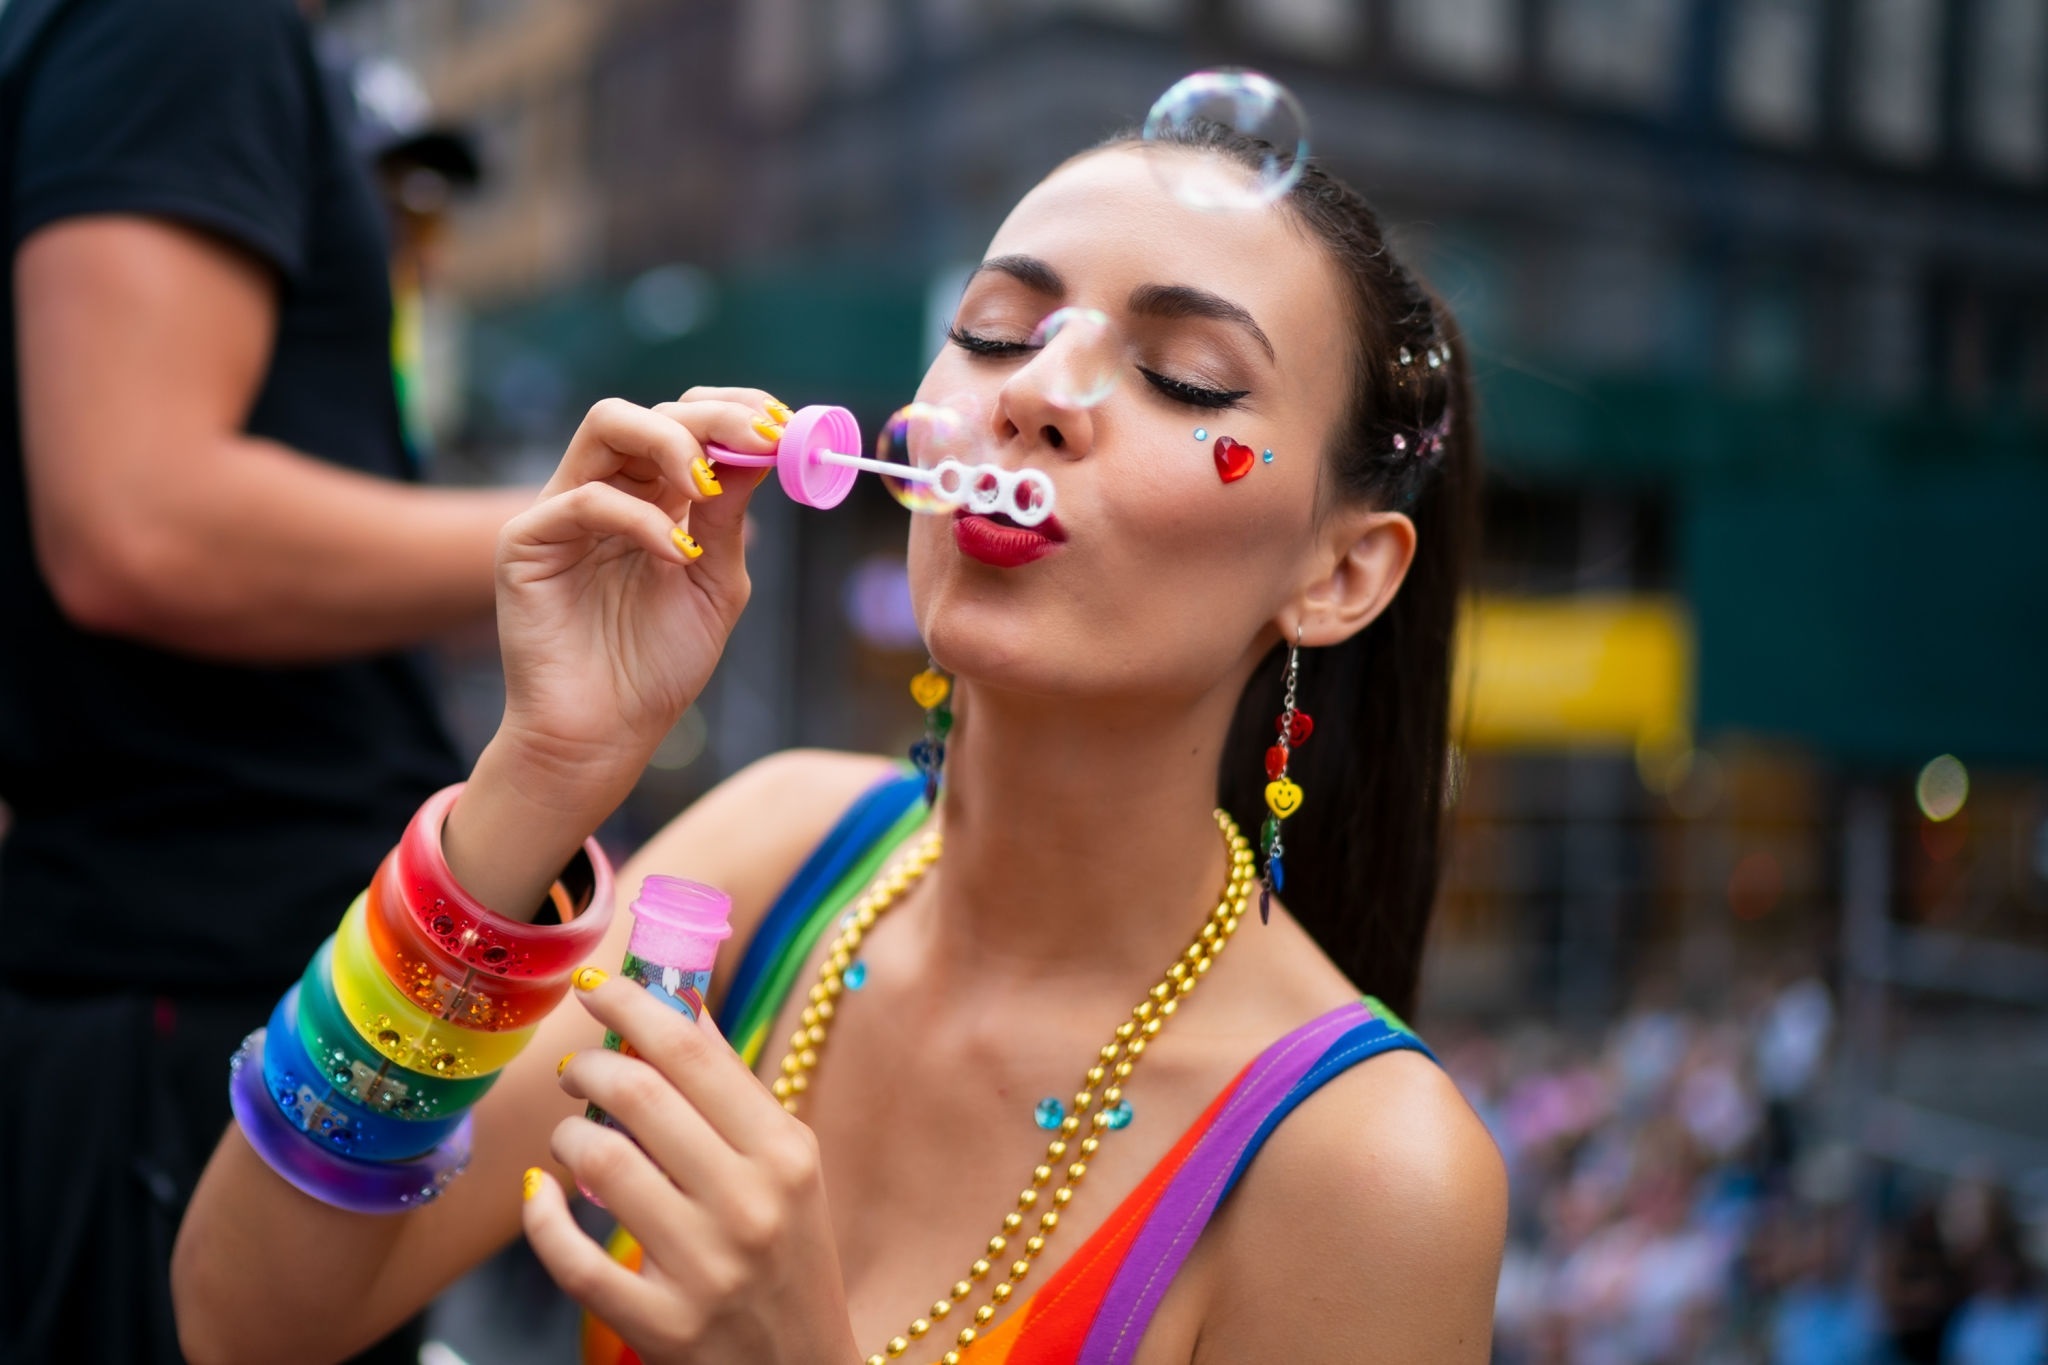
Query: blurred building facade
point(1757, 292)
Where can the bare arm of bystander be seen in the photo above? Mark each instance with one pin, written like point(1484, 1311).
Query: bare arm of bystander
point(142, 345)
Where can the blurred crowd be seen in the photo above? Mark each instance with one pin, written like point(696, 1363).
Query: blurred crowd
point(1676, 1197)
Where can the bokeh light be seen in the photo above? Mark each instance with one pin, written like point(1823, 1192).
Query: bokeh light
point(1943, 787)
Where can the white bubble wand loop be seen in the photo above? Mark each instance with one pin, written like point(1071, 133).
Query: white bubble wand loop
point(816, 470)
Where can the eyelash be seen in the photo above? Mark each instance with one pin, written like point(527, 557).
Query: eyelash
point(1179, 390)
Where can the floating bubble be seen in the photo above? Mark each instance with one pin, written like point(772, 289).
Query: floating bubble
point(1237, 101)
point(1943, 787)
point(922, 435)
point(1082, 354)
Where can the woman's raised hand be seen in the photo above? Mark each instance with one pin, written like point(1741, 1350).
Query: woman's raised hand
point(616, 592)
point(723, 1192)
point(618, 588)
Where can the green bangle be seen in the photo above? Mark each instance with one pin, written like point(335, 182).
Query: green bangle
point(359, 1070)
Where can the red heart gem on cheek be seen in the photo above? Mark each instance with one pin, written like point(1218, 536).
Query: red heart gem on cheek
point(1304, 726)
point(1233, 459)
point(1276, 763)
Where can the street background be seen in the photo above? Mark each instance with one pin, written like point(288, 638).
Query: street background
point(1743, 950)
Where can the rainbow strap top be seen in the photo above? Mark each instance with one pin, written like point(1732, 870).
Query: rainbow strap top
point(1095, 1308)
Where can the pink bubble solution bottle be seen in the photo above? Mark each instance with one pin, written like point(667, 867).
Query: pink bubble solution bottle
point(677, 927)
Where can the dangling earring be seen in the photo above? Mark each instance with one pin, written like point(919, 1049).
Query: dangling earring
point(1283, 795)
point(933, 691)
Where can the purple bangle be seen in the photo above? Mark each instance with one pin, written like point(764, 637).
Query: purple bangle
point(357, 1186)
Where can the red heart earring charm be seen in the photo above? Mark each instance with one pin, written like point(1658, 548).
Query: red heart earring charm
point(1233, 459)
point(1301, 729)
point(1276, 763)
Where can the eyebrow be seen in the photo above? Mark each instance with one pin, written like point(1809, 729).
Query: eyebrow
point(1186, 301)
point(1028, 271)
point(1149, 300)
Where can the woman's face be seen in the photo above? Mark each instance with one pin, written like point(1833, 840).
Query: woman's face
point(1161, 578)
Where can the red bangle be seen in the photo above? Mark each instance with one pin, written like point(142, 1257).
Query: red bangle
point(442, 986)
point(455, 923)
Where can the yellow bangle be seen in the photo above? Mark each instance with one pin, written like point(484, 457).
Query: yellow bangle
point(399, 1029)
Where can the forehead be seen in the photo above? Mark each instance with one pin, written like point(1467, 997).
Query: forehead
point(1109, 221)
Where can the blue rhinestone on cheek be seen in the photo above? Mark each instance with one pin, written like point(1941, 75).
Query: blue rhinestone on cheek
point(1049, 1114)
point(1118, 1115)
point(1267, 457)
point(856, 976)
point(1201, 433)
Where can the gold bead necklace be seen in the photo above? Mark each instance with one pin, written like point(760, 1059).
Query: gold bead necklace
point(1114, 1063)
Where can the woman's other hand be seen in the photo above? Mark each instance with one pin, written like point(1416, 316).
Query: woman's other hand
point(724, 1195)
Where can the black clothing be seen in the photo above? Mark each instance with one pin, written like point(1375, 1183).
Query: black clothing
point(184, 825)
point(184, 833)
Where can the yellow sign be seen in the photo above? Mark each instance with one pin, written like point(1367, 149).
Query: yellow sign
point(1574, 672)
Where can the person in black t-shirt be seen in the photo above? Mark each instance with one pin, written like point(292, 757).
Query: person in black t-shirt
point(212, 557)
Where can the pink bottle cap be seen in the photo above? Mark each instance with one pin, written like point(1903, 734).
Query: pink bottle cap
point(678, 923)
point(806, 478)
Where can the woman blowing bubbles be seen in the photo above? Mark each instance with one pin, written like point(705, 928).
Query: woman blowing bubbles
point(1109, 666)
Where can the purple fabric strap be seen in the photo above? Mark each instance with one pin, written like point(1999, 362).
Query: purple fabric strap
point(1188, 1203)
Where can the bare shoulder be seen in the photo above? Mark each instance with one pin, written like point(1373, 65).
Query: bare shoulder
point(1375, 1213)
point(750, 833)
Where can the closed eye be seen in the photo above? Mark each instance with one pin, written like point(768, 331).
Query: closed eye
point(1179, 390)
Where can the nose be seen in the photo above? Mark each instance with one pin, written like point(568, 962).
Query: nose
point(1050, 400)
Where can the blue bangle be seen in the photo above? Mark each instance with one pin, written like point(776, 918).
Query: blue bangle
point(316, 1108)
point(358, 1186)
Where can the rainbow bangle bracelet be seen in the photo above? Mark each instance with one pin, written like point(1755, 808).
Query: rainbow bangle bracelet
point(358, 1186)
point(361, 1072)
point(441, 985)
point(400, 1029)
point(325, 1114)
point(463, 929)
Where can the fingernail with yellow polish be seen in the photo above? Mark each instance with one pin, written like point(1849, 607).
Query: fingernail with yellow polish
point(529, 1184)
point(563, 1065)
point(707, 482)
point(691, 550)
point(780, 410)
point(767, 430)
point(590, 978)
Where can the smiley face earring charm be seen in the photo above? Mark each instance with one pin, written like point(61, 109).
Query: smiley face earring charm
point(933, 691)
point(1283, 794)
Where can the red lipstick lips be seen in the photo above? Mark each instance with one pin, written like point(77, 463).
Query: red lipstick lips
point(1001, 543)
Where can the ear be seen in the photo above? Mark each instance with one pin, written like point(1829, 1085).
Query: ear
point(1365, 556)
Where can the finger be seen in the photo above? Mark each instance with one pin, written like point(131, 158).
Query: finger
point(742, 426)
point(665, 1220)
point(765, 402)
point(617, 437)
point(673, 1134)
point(592, 511)
point(583, 1269)
point(704, 1070)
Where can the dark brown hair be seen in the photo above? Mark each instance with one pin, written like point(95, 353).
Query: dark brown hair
point(1364, 851)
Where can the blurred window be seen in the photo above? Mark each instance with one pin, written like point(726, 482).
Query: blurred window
point(1149, 13)
point(863, 34)
point(1772, 72)
point(1621, 51)
point(1472, 40)
point(2007, 87)
point(1329, 29)
point(1895, 80)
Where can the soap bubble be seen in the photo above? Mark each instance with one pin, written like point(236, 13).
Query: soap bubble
point(922, 435)
point(1240, 101)
point(1083, 356)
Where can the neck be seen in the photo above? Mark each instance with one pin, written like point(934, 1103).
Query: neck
point(1079, 839)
